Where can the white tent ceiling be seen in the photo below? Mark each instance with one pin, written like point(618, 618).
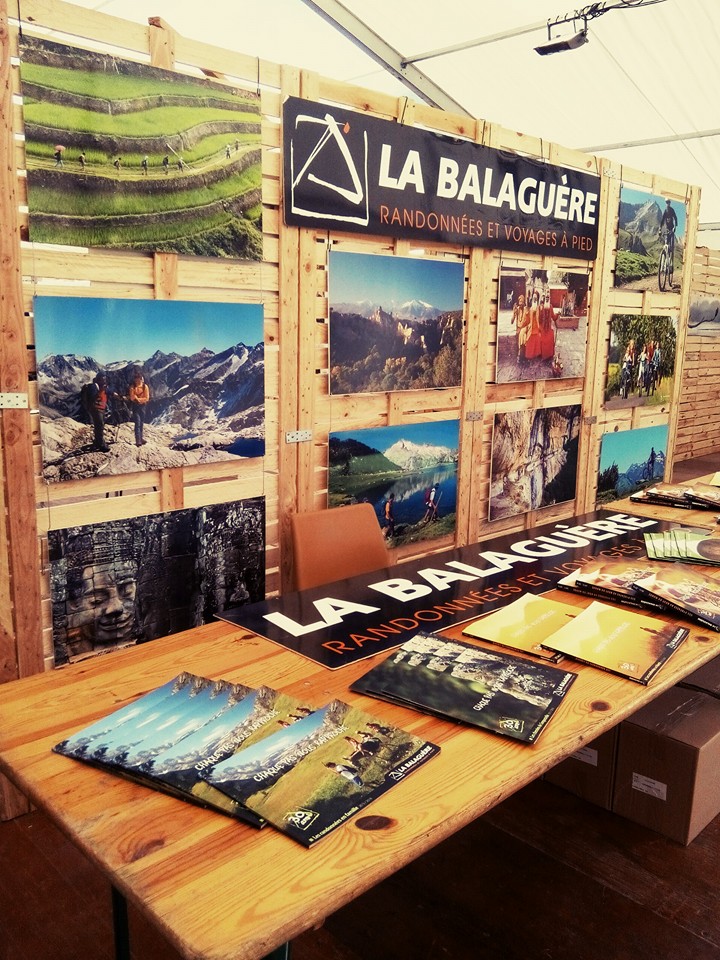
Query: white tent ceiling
point(649, 73)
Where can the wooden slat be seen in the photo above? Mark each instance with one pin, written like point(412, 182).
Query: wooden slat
point(20, 640)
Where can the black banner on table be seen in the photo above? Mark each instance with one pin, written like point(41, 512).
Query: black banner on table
point(352, 172)
point(349, 620)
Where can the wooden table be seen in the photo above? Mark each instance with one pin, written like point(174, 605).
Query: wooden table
point(220, 889)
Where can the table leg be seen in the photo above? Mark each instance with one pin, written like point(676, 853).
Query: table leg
point(121, 930)
point(281, 953)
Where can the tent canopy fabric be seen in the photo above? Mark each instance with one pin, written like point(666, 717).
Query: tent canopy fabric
point(642, 90)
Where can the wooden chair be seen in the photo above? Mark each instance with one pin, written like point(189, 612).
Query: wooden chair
point(334, 544)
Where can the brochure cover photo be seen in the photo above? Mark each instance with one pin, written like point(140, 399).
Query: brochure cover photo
point(610, 579)
point(693, 593)
point(633, 645)
point(313, 776)
point(496, 691)
point(167, 737)
point(258, 755)
point(524, 624)
point(684, 543)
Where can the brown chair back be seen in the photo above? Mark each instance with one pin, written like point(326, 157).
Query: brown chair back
point(334, 544)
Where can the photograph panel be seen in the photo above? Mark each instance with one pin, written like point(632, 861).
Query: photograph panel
point(408, 473)
point(396, 323)
point(133, 385)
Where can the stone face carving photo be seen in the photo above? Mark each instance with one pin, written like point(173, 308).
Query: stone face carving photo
point(133, 385)
point(123, 582)
point(534, 460)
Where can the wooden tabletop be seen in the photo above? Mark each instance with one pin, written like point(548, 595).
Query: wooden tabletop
point(219, 889)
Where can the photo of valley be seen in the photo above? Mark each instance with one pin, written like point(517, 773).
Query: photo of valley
point(124, 582)
point(641, 361)
point(541, 324)
point(408, 474)
point(629, 461)
point(534, 460)
point(132, 385)
point(128, 156)
point(642, 221)
point(396, 323)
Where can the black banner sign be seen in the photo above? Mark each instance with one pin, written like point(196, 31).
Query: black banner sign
point(352, 619)
point(352, 172)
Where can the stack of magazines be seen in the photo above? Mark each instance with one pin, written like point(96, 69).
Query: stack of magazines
point(611, 580)
point(680, 588)
point(512, 695)
point(255, 754)
point(683, 543)
point(697, 496)
point(689, 584)
point(631, 644)
point(496, 691)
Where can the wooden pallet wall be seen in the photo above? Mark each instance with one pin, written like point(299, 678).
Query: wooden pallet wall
point(292, 284)
point(41, 269)
point(698, 430)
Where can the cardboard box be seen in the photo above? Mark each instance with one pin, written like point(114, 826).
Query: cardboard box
point(706, 678)
point(667, 775)
point(590, 771)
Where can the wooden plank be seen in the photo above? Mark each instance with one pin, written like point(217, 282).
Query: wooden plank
point(20, 593)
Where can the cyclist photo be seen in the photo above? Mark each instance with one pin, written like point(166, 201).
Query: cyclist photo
point(651, 241)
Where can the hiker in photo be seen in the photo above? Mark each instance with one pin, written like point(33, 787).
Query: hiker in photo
point(432, 498)
point(642, 362)
point(95, 401)
point(139, 397)
point(389, 528)
point(548, 327)
point(521, 320)
point(668, 225)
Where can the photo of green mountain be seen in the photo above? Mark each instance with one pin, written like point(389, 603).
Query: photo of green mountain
point(123, 155)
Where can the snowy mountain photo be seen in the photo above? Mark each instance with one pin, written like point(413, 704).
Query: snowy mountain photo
point(205, 387)
point(396, 323)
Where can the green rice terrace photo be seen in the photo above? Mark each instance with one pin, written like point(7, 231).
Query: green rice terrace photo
point(127, 156)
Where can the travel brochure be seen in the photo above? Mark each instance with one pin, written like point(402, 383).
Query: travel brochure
point(610, 580)
point(496, 691)
point(523, 625)
point(692, 592)
point(679, 577)
point(258, 755)
point(683, 543)
point(633, 645)
point(696, 496)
